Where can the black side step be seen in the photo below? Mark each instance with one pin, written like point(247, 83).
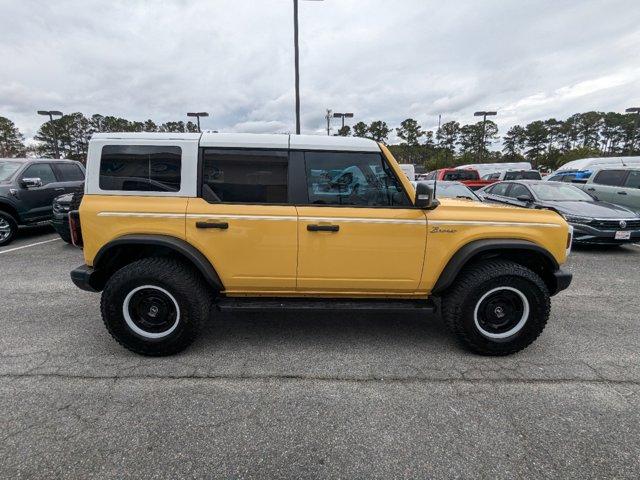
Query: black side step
point(253, 304)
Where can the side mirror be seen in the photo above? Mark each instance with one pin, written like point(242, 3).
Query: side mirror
point(425, 198)
point(34, 182)
point(524, 198)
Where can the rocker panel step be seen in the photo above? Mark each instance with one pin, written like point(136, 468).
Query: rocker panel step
point(251, 304)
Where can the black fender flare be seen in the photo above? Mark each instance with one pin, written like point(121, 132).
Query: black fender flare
point(11, 208)
point(183, 248)
point(467, 252)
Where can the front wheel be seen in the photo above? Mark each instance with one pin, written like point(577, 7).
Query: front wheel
point(155, 306)
point(8, 228)
point(497, 307)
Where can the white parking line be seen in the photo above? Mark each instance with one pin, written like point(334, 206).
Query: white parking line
point(30, 245)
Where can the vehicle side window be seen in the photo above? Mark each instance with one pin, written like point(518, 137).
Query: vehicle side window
point(517, 190)
point(568, 178)
point(610, 177)
point(42, 171)
point(346, 178)
point(245, 176)
point(499, 189)
point(140, 168)
point(68, 172)
point(633, 180)
point(430, 176)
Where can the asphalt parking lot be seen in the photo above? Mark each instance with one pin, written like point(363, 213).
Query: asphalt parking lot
point(316, 395)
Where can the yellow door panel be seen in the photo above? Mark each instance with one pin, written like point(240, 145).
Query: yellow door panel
point(108, 217)
point(374, 250)
point(256, 252)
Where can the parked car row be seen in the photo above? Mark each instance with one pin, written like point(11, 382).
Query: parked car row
point(28, 187)
point(594, 221)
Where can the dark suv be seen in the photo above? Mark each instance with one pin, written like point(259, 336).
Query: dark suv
point(28, 187)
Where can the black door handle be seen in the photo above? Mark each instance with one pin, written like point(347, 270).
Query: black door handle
point(323, 228)
point(622, 193)
point(220, 225)
point(591, 189)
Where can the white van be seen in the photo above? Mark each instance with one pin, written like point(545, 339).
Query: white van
point(598, 162)
point(409, 170)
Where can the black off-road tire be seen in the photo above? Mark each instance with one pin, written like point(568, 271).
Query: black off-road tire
point(460, 303)
point(184, 286)
point(13, 226)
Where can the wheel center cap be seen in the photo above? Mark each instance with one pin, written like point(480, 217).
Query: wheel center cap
point(153, 311)
point(499, 311)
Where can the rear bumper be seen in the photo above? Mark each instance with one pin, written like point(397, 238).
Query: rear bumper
point(86, 278)
point(561, 281)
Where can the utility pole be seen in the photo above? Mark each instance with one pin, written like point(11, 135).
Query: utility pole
point(484, 115)
point(328, 117)
point(635, 110)
point(50, 114)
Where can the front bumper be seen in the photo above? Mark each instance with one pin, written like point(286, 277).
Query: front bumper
point(585, 234)
point(561, 281)
point(87, 278)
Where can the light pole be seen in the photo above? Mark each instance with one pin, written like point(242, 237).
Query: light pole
point(197, 115)
point(635, 110)
point(50, 114)
point(484, 115)
point(343, 116)
point(297, 61)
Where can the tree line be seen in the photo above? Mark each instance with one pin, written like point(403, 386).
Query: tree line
point(73, 132)
point(546, 143)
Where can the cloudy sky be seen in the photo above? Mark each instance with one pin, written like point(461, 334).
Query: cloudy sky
point(381, 59)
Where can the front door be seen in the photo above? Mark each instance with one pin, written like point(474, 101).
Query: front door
point(37, 201)
point(243, 220)
point(358, 232)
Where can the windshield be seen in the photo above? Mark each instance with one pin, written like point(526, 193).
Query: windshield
point(523, 175)
point(560, 193)
point(453, 190)
point(461, 175)
point(7, 169)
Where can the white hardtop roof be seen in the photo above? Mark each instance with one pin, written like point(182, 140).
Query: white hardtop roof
point(254, 140)
point(145, 136)
point(587, 163)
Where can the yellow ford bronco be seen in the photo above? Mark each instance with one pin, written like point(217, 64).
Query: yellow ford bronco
point(177, 226)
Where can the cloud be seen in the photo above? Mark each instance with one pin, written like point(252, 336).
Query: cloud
point(380, 59)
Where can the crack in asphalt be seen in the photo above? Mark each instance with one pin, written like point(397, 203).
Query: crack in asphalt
point(320, 378)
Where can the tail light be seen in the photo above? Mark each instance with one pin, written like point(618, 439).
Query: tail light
point(74, 228)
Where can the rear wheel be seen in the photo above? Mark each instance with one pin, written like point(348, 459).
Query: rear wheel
point(8, 228)
point(155, 306)
point(497, 307)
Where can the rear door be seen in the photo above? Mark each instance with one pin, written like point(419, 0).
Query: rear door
point(497, 192)
point(37, 201)
point(358, 231)
point(606, 184)
point(70, 175)
point(629, 196)
point(243, 220)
